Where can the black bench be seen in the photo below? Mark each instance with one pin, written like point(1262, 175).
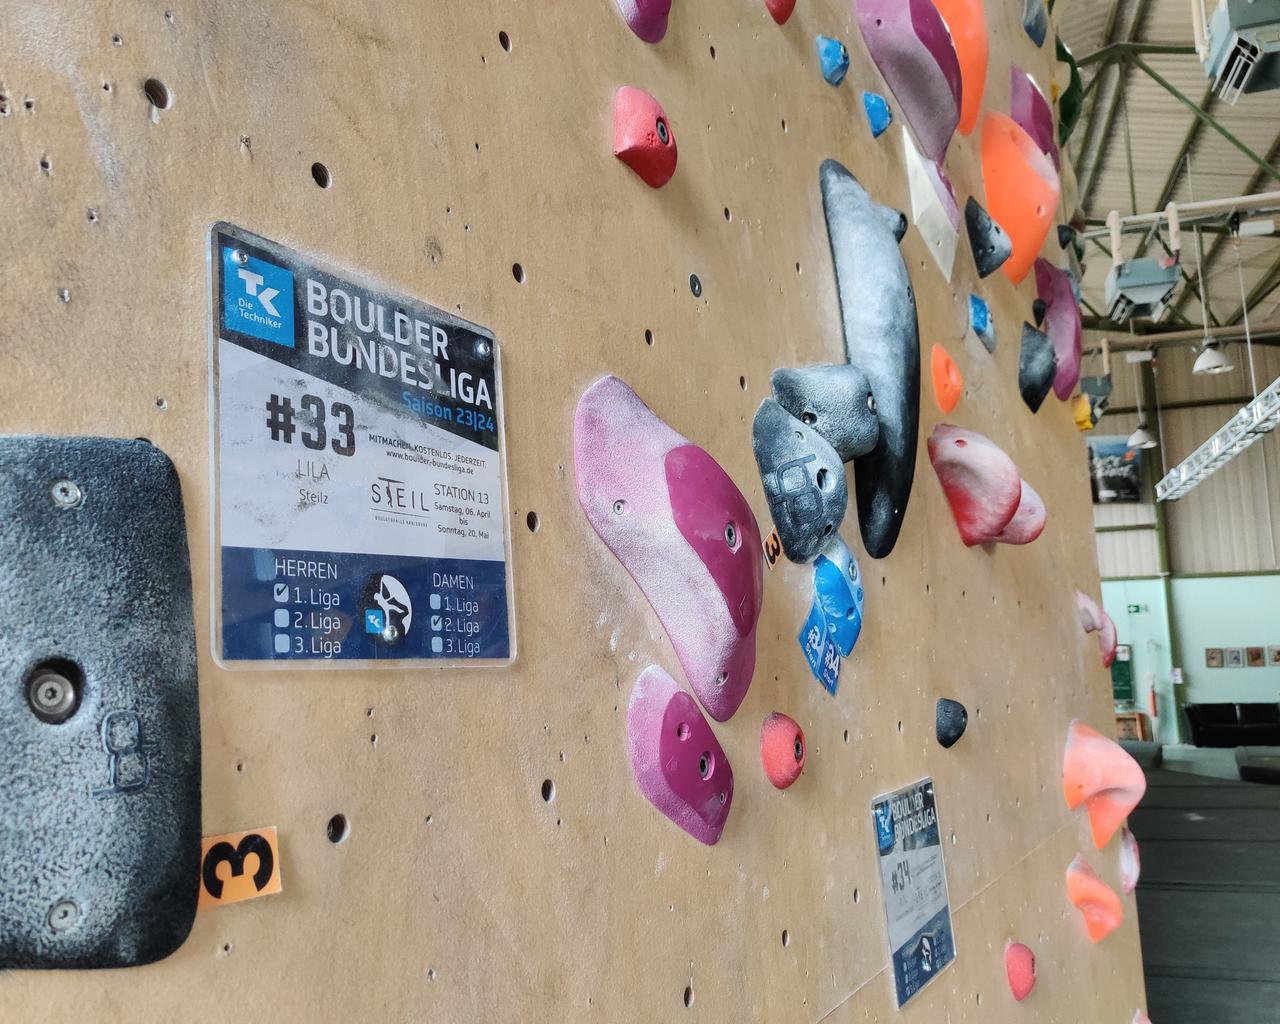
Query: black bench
point(1234, 725)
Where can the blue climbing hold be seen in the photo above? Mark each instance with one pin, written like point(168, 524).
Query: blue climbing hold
point(878, 113)
point(837, 584)
point(834, 59)
point(980, 321)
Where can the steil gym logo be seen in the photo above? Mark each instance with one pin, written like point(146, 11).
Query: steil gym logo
point(257, 297)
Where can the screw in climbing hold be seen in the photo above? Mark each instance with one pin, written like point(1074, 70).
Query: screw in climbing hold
point(66, 494)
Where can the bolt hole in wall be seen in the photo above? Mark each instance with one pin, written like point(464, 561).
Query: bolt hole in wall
point(648, 337)
point(531, 521)
point(688, 995)
point(320, 175)
point(338, 828)
point(517, 272)
point(158, 94)
point(504, 41)
point(548, 790)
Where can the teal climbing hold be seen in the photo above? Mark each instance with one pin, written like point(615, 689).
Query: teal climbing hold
point(834, 59)
point(878, 113)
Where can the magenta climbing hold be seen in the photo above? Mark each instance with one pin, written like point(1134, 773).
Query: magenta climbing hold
point(1099, 773)
point(1130, 861)
point(980, 481)
point(642, 136)
point(1062, 324)
point(1031, 111)
point(646, 18)
point(911, 45)
point(780, 10)
point(676, 759)
point(682, 529)
point(782, 749)
point(1094, 620)
point(1028, 521)
point(1020, 968)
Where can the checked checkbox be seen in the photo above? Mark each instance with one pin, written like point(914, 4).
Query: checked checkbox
point(282, 592)
point(437, 622)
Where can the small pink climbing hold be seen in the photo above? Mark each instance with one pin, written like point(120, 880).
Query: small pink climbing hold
point(646, 18)
point(782, 749)
point(780, 10)
point(1094, 619)
point(980, 481)
point(1099, 773)
point(642, 136)
point(1028, 521)
point(1141, 1018)
point(1096, 901)
point(1020, 966)
point(1130, 861)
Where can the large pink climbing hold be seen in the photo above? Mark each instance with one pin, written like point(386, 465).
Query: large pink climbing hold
point(780, 10)
point(1097, 902)
point(1130, 861)
point(646, 18)
point(980, 481)
point(682, 529)
point(1028, 521)
point(642, 136)
point(1020, 968)
point(1094, 620)
point(1062, 324)
point(1099, 773)
point(782, 750)
point(677, 761)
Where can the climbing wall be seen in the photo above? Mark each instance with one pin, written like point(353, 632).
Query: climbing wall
point(494, 859)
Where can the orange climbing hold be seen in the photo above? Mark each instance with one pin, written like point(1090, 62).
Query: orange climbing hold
point(1022, 190)
point(968, 27)
point(1096, 901)
point(1097, 772)
point(1020, 966)
point(948, 385)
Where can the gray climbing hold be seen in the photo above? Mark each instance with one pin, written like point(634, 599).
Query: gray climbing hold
point(1037, 366)
point(950, 721)
point(990, 245)
point(803, 481)
point(836, 401)
point(1035, 19)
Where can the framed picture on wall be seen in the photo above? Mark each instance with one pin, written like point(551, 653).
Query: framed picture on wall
point(1235, 657)
point(1255, 657)
point(1115, 470)
point(1213, 657)
point(1273, 655)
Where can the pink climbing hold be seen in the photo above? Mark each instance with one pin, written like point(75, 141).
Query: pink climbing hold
point(1099, 773)
point(1062, 324)
point(1140, 1018)
point(1107, 640)
point(1031, 111)
point(1028, 521)
point(780, 10)
point(1094, 620)
point(677, 761)
point(980, 481)
point(1097, 902)
point(642, 136)
point(1020, 967)
point(682, 529)
point(782, 749)
point(1130, 861)
point(646, 18)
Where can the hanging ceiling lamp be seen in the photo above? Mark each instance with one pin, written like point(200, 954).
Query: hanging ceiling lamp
point(1212, 360)
point(1142, 437)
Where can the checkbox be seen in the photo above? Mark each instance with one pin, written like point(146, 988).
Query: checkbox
point(435, 602)
point(437, 645)
point(282, 643)
point(282, 618)
point(281, 593)
point(437, 622)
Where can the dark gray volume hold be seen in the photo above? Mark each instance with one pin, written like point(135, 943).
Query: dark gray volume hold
point(881, 338)
point(990, 245)
point(950, 721)
point(836, 401)
point(803, 480)
point(99, 711)
point(1037, 366)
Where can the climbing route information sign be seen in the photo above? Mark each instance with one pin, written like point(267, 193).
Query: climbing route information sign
point(357, 468)
point(913, 880)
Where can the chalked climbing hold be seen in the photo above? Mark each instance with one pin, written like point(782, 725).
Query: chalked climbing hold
point(1030, 111)
point(881, 337)
point(1130, 861)
point(933, 206)
point(950, 721)
point(948, 385)
point(980, 481)
point(837, 585)
point(833, 58)
point(646, 18)
point(676, 759)
point(782, 750)
point(1037, 366)
point(836, 401)
point(1094, 620)
point(1020, 968)
point(803, 480)
point(879, 114)
point(1097, 902)
point(1035, 19)
point(642, 136)
point(1028, 521)
point(780, 10)
point(980, 320)
point(1099, 773)
point(911, 46)
point(1022, 190)
point(1062, 324)
point(682, 530)
point(968, 25)
point(990, 245)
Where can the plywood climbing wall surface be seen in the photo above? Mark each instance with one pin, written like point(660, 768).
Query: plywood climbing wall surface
point(499, 863)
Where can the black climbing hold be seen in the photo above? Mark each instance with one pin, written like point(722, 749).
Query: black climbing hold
point(836, 401)
point(990, 245)
point(1066, 235)
point(950, 720)
point(1037, 365)
point(1038, 310)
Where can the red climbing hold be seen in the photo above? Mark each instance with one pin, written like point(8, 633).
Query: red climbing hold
point(980, 481)
point(1130, 861)
point(1020, 966)
point(1096, 901)
point(1099, 773)
point(1028, 521)
point(782, 749)
point(780, 10)
point(642, 136)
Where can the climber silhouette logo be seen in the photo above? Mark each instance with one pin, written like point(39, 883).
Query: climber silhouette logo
point(386, 602)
